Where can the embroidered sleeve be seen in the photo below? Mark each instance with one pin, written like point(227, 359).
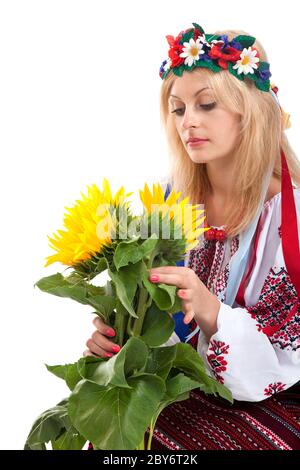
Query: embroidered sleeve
point(250, 363)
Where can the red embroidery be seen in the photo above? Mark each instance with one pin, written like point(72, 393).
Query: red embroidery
point(274, 388)
point(277, 298)
point(216, 360)
point(201, 259)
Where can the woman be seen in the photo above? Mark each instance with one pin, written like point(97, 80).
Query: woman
point(240, 286)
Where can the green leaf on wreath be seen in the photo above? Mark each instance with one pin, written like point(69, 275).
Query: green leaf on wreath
point(197, 26)
point(245, 41)
point(187, 36)
point(178, 70)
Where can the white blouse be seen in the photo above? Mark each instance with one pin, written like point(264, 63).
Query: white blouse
point(240, 355)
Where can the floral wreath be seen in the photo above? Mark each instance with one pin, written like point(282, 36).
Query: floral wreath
point(193, 48)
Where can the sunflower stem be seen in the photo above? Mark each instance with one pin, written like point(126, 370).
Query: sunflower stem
point(144, 301)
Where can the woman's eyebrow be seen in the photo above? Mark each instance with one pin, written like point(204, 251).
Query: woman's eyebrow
point(197, 93)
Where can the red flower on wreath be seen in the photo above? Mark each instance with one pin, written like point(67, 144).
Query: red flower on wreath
point(224, 56)
point(174, 53)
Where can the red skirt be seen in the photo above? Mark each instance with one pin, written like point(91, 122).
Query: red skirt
point(206, 422)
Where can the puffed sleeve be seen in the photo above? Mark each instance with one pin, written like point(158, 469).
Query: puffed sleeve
point(255, 351)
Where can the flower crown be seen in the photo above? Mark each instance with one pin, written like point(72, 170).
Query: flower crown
point(193, 48)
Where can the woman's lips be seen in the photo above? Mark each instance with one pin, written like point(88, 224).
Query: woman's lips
point(197, 142)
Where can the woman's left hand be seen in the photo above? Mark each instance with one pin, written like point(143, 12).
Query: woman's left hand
point(197, 300)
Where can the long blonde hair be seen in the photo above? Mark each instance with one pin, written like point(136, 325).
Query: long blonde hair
point(258, 148)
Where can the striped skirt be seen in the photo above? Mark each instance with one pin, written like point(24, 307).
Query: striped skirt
point(206, 422)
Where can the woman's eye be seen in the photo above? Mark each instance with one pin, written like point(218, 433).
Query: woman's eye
point(207, 107)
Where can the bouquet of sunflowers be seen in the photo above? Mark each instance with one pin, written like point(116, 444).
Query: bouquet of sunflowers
point(114, 402)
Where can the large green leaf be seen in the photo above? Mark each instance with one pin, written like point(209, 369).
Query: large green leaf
point(162, 294)
point(127, 252)
point(160, 361)
point(47, 427)
point(157, 327)
point(70, 439)
point(126, 281)
point(188, 361)
point(103, 304)
point(77, 289)
point(67, 372)
point(116, 370)
point(115, 418)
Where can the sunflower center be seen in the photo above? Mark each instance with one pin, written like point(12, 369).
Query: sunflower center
point(194, 51)
point(245, 60)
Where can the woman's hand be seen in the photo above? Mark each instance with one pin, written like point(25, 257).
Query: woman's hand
point(197, 301)
point(99, 344)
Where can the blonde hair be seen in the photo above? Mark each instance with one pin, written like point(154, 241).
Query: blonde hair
point(257, 150)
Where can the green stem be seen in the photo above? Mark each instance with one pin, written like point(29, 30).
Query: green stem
point(144, 301)
point(150, 437)
point(141, 310)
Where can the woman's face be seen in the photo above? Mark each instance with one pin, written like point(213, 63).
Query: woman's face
point(198, 115)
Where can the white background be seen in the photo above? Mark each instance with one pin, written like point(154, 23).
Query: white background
point(79, 101)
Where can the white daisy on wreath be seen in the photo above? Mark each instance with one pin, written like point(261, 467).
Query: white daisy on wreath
point(192, 50)
point(167, 64)
point(247, 62)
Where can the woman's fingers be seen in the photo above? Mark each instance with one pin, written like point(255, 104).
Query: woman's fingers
point(103, 328)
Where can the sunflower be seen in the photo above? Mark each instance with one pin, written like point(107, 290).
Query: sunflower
point(183, 216)
point(82, 239)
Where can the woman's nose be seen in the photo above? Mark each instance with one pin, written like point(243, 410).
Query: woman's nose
point(190, 119)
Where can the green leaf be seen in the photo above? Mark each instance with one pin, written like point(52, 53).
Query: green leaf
point(198, 27)
point(234, 72)
point(102, 265)
point(126, 281)
point(115, 371)
point(263, 85)
point(162, 294)
point(70, 439)
point(104, 304)
point(177, 306)
point(58, 285)
point(148, 245)
point(157, 327)
point(47, 427)
point(127, 252)
point(187, 360)
point(67, 372)
point(160, 361)
point(245, 41)
point(187, 36)
point(115, 418)
point(178, 70)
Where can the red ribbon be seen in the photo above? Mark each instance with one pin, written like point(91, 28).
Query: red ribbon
point(290, 244)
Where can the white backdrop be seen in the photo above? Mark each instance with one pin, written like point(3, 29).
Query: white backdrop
point(79, 100)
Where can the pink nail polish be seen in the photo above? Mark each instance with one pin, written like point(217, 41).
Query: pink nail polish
point(110, 332)
point(108, 355)
point(154, 278)
point(116, 348)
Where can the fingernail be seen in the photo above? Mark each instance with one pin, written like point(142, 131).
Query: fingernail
point(116, 348)
point(154, 278)
point(110, 332)
point(108, 355)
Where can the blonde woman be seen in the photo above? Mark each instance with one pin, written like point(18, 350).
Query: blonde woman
point(240, 286)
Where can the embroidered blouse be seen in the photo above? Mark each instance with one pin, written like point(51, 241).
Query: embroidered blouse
point(240, 355)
